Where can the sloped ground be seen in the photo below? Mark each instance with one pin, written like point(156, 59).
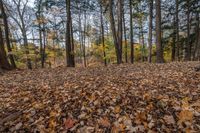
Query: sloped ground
point(126, 98)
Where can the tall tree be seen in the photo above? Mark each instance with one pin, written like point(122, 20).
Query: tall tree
point(6, 28)
point(125, 38)
point(159, 48)
point(131, 31)
point(187, 56)
point(197, 35)
point(150, 30)
point(120, 26)
point(69, 47)
point(40, 20)
point(102, 36)
point(173, 56)
point(177, 31)
point(114, 33)
point(84, 38)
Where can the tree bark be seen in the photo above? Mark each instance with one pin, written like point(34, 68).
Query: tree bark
point(159, 48)
point(84, 39)
point(125, 38)
point(196, 47)
point(174, 41)
point(11, 57)
point(143, 44)
point(150, 30)
point(188, 45)
point(115, 37)
point(4, 63)
point(131, 31)
point(120, 27)
point(44, 46)
point(102, 37)
point(69, 52)
point(177, 31)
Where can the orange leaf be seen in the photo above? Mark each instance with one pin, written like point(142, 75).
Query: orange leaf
point(117, 109)
point(104, 122)
point(185, 115)
point(69, 123)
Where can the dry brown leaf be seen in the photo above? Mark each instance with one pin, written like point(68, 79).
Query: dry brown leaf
point(169, 119)
point(104, 122)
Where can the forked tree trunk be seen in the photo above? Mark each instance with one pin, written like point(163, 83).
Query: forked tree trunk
point(114, 33)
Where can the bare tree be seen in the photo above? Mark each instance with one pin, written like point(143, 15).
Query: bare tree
point(18, 16)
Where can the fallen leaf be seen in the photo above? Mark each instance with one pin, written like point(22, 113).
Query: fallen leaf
point(69, 123)
point(169, 119)
point(104, 122)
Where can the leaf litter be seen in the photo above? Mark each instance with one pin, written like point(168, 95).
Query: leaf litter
point(126, 98)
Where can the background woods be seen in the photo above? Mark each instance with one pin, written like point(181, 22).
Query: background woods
point(48, 33)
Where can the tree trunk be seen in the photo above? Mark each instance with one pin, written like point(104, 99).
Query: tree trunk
point(174, 41)
point(44, 46)
point(131, 31)
point(102, 37)
point(69, 52)
point(150, 30)
point(177, 31)
point(188, 45)
point(159, 48)
point(196, 48)
point(84, 39)
point(80, 34)
point(11, 57)
point(39, 17)
point(143, 44)
point(4, 63)
point(115, 37)
point(120, 27)
point(125, 38)
point(72, 44)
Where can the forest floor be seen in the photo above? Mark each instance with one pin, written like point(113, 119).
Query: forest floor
point(125, 98)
